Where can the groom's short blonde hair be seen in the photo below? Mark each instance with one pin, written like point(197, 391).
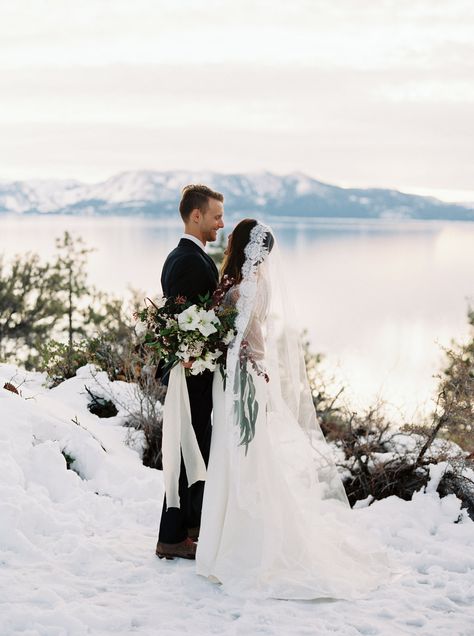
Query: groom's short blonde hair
point(196, 196)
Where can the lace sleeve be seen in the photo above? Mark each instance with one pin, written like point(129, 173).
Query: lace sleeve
point(255, 334)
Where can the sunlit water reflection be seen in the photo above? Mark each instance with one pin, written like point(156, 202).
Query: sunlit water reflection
point(379, 297)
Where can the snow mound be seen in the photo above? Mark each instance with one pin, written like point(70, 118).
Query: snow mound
point(78, 521)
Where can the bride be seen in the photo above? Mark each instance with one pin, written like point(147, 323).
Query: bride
point(275, 519)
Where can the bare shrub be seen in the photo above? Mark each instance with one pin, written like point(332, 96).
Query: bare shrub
point(378, 459)
point(148, 416)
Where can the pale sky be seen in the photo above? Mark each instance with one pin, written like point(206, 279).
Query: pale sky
point(352, 92)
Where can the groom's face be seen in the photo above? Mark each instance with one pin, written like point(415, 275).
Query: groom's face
point(212, 220)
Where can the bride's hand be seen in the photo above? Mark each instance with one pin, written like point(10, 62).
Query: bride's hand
point(188, 365)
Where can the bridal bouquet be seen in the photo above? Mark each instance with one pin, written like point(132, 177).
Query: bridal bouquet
point(180, 331)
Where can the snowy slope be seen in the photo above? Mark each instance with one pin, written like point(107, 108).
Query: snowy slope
point(77, 548)
point(157, 194)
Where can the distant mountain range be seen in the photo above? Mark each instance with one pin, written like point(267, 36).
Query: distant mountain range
point(156, 194)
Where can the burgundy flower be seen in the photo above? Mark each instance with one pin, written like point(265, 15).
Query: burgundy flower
point(223, 287)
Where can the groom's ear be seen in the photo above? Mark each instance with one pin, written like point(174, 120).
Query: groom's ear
point(195, 215)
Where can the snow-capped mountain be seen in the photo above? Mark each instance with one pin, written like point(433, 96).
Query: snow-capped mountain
point(152, 193)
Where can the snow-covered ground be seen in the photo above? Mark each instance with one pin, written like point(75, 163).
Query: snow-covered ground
point(77, 546)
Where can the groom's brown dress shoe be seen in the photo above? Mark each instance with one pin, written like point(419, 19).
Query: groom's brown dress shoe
point(184, 549)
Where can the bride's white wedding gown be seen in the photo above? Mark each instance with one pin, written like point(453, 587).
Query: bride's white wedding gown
point(275, 518)
point(261, 536)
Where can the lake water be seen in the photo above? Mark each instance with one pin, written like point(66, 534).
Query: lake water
point(379, 298)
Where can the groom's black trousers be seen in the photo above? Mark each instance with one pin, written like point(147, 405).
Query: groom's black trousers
point(176, 521)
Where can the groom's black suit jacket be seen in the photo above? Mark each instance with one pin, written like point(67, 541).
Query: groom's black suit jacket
point(188, 271)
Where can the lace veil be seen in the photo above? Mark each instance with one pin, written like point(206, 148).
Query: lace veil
point(266, 378)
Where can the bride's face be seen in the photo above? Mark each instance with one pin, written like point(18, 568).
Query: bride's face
point(229, 243)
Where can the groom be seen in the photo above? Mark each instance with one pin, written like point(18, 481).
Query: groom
point(188, 271)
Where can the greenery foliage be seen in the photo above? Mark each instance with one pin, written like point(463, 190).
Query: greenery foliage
point(54, 320)
point(70, 265)
point(30, 307)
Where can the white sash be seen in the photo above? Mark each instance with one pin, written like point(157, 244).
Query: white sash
point(179, 437)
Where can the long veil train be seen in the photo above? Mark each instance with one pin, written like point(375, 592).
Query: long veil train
point(276, 521)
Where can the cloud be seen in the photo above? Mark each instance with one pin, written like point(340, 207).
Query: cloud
point(368, 93)
point(362, 34)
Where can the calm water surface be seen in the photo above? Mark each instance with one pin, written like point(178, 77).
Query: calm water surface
point(380, 298)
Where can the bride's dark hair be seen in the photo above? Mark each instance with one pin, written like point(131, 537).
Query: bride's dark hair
point(235, 257)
